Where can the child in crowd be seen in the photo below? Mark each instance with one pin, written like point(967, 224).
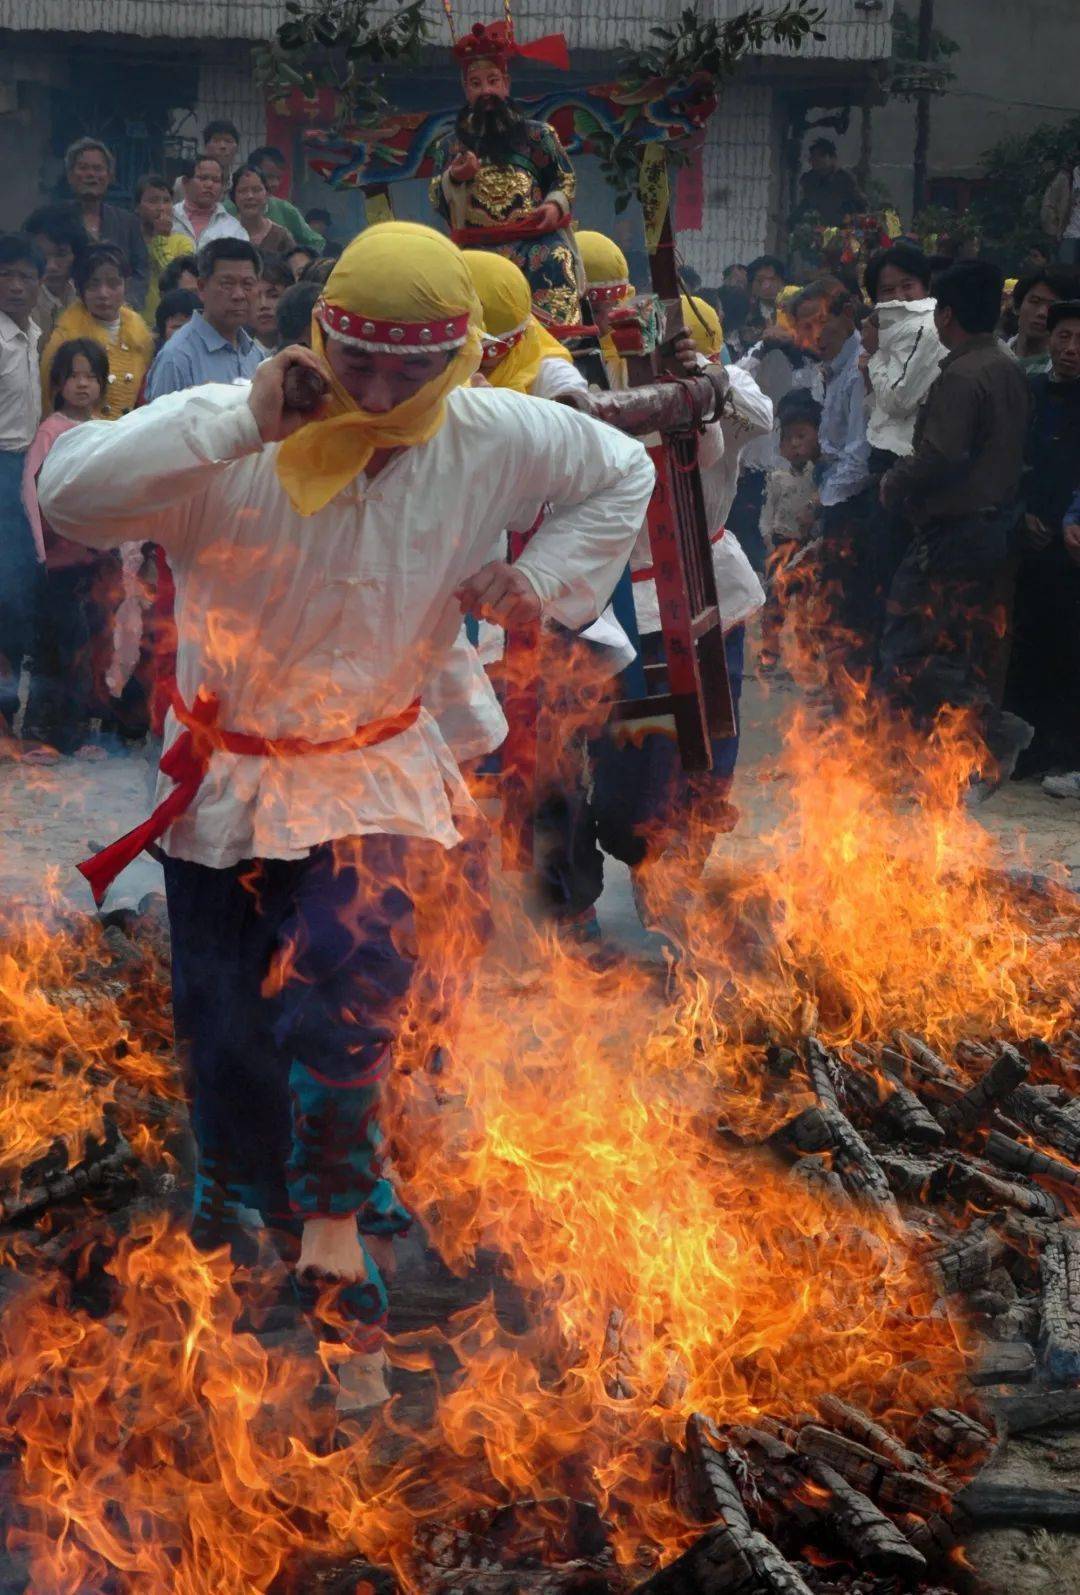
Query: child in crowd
point(100, 313)
point(63, 697)
point(789, 513)
point(274, 279)
point(174, 311)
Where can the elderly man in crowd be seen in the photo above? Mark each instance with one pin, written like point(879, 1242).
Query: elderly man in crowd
point(90, 169)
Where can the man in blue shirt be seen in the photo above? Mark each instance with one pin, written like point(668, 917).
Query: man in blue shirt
point(214, 347)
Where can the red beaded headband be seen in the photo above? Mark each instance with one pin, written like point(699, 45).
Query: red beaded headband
point(606, 293)
point(392, 337)
point(497, 348)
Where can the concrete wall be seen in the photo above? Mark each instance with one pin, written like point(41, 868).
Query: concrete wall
point(1017, 68)
point(852, 32)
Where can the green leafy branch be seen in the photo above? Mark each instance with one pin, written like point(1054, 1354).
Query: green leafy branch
point(334, 44)
point(700, 53)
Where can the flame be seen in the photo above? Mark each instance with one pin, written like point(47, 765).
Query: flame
point(651, 1266)
point(69, 1039)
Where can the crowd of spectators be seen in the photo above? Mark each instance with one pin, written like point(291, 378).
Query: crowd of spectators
point(102, 308)
point(915, 512)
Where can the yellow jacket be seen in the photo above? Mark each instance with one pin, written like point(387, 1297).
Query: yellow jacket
point(162, 251)
point(130, 354)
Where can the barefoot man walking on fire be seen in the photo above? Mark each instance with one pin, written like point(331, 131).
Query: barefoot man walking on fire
point(322, 563)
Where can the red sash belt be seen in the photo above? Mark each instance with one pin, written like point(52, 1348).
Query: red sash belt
point(505, 233)
point(648, 572)
point(188, 760)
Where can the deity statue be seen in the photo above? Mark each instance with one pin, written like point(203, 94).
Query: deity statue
point(504, 182)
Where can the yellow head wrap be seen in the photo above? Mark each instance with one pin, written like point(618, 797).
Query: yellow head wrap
point(785, 299)
point(603, 260)
point(506, 300)
point(608, 277)
point(393, 272)
point(703, 325)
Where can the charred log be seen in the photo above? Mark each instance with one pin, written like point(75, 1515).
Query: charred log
point(1059, 1343)
point(872, 1538)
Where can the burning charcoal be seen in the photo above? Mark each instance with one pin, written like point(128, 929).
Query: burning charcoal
point(952, 1435)
point(1059, 1345)
point(818, 1176)
point(873, 1538)
point(1023, 1412)
point(92, 1174)
point(920, 1179)
point(966, 1263)
point(855, 1163)
point(926, 1082)
point(1021, 1159)
point(572, 1578)
point(781, 1062)
point(1007, 1071)
point(732, 1557)
point(1005, 1362)
point(927, 1059)
point(907, 1491)
point(860, 1426)
point(323, 1576)
point(1030, 1108)
point(978, 1184)
point(986, 1503)
point(523, 1534)
point(935, 1537)
point(903, 1115)
point(777, 1479)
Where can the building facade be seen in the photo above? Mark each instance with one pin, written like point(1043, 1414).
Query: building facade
point(145, 75)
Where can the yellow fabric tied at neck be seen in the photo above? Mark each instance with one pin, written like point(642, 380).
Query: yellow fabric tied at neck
point(703, 325)
point(392, 272)
point(506, 300)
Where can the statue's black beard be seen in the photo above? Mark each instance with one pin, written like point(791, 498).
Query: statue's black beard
point(492, 128)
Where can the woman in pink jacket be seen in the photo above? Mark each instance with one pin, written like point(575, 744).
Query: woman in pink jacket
point(63, 697)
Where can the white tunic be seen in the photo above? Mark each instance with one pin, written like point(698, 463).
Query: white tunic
point(310, 626)
point(738, 589)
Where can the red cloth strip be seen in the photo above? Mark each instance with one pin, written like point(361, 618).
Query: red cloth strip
point(505, 232)
point(188, 760)
point(648, 572)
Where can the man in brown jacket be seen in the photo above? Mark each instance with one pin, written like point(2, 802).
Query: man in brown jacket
point(960, 489)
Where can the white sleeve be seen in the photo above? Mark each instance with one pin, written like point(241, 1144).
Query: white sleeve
point(753, 410)
point(557, 377)
point(598, 484)
point(463, 701)
point(147, 469)
point(903, 370)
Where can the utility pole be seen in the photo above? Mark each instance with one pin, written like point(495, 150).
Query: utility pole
point(924, 50)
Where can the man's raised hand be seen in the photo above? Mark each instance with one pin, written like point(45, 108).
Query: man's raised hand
point(500, 593)
point(269, 401)
point(464, 167)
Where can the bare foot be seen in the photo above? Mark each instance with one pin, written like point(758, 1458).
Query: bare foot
point(330, 1249)
point(90, 753)
point(381, 1248)
point(362, 1382)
